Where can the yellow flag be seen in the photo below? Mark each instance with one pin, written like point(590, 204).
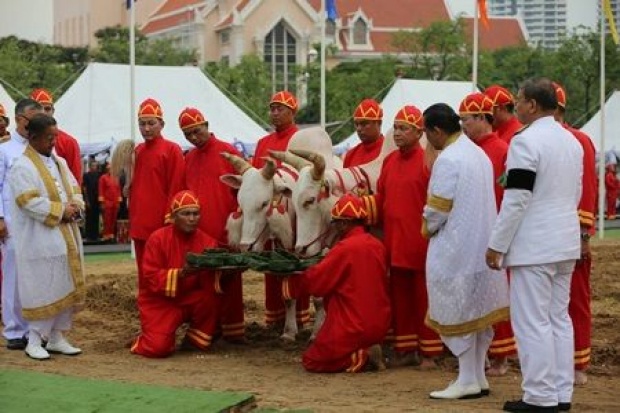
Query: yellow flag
point(610, 21)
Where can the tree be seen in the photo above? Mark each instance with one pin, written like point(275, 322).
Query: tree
point(113, 47)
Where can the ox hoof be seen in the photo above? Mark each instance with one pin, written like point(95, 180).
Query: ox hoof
point(287, 337)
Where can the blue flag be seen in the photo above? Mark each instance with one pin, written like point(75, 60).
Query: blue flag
point(330, 8)
point(129, 3)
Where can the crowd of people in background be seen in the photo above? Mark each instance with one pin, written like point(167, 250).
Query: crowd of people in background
point(459, 218)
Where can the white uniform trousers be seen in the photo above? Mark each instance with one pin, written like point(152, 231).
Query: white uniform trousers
point(60, 322)
point(14, 324)
point(539, 297)
point(471, 350)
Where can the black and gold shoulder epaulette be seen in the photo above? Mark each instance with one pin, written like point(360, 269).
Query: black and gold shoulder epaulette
point(521, 130)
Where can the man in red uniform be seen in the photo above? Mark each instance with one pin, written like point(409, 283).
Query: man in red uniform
point(159, 173)
point(172, 293)
point(109, 201)
point(282, 109)
point(66, 145)
point(611, 190)
point(352, 279)
point(367, 119)
point(580, 292)
point(505, 123)
point(397, 205)
point(203, 167)
point(476, 112)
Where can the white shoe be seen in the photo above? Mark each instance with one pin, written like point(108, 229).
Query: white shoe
point(36, 352)
point(456, 391)
point(62, 346)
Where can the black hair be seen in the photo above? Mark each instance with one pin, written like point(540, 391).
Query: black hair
point(24, 104)
point(542, 91)
point(442, 116)
point(488, 118)
point(38, 124)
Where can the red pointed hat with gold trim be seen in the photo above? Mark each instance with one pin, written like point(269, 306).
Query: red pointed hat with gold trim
point(349, 206)
point(560, 94)
point(184, 199)
point(410, 115)
point(191, 117)
point(368, 109)
point(500, 96)
point(150, 108)
point(476, 104)
point(286, 98)
point(43, 96)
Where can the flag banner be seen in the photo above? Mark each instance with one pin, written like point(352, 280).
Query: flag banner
point(482, 12)
point(610, 20)
point(330, 8)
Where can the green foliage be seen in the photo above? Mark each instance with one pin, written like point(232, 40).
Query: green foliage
point(113, 47)
point(248, 84)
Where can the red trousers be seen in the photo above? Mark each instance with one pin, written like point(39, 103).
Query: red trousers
point(139, 245)
point(160, 318)
point(503, 344)
point(409, 307)
point(232, 319)
point(351, 363)
point(612, 198)
point(109, 221)
point(276, 292)
point(580, 312)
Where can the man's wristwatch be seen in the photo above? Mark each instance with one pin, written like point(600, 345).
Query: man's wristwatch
point(585, 236)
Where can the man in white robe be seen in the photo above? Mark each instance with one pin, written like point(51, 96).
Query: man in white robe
point(48, 247)
point(15, 327)
point(537, 236)
point(465, 297)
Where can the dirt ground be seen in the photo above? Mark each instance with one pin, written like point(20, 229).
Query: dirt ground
point(271, 370)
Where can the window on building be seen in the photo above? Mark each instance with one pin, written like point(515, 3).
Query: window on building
point(225, 61)
point(330, 27)
point(225, 37)
point(360, 30)
point(280, 54)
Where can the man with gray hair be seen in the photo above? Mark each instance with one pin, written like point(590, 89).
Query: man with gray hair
point(15, 327)
point(537, 236)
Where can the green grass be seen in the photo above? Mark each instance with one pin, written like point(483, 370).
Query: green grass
point(609, 234)
point(108, 257)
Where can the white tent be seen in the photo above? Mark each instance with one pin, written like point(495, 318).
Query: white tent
point(612, 125)
point(96, 108)
point(9, 105)
point(421, 93)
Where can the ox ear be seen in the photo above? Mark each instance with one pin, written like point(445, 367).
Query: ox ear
point(233, 181)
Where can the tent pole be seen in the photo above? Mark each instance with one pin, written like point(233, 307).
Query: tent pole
point(602, 160)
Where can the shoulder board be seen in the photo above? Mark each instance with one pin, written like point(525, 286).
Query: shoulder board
point(5, 138)
point(521, 130)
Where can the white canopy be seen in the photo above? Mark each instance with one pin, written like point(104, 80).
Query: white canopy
point(9, 105)
point(421, 93)
point(612, 125)
point(96, 108)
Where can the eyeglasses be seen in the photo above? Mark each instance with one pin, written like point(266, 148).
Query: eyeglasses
point(23, 116)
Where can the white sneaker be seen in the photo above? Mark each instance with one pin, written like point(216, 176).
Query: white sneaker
point(36, 352)
point(62, 346)
point(456, 391)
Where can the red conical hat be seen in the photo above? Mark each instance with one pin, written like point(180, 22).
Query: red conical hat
point(368, 109)
point(43, 96)
point(191, 117)
point(285, 98)
point(150, 108)
point(411, 115)
point(560, 94)
point(476, 104)
point(500, 96)
point(349, 207)
point(184, 199)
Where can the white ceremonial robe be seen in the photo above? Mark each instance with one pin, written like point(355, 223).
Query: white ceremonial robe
point(538, 231)
point(49, 251)
point(465, 296)
point(14, 324)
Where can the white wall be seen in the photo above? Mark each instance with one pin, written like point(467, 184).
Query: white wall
point(31, 20)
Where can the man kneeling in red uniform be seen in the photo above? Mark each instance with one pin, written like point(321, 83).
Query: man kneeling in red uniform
point(173, 293)
point(352, 279)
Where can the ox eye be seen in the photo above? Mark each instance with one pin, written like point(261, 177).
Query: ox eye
point(264, 205)
point(309, 202)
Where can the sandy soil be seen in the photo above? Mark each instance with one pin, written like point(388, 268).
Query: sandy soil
point(271, 370)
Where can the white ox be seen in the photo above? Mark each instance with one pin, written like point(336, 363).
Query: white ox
point(265, 213)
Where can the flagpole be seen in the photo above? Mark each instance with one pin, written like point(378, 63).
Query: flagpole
point(602, 160)
point(132, 68)
point(474, 72)
point(322, 110)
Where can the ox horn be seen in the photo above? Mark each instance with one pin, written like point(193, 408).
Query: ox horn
point(317, 160)
point(240, 164)
point(287, 157)
point(269, 169)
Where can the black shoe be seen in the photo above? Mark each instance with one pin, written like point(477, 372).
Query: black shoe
point(17, 343)
point(564, 407)
point(521, 406)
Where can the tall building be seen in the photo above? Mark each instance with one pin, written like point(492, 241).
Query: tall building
point(615, 8)
point(548, 21)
